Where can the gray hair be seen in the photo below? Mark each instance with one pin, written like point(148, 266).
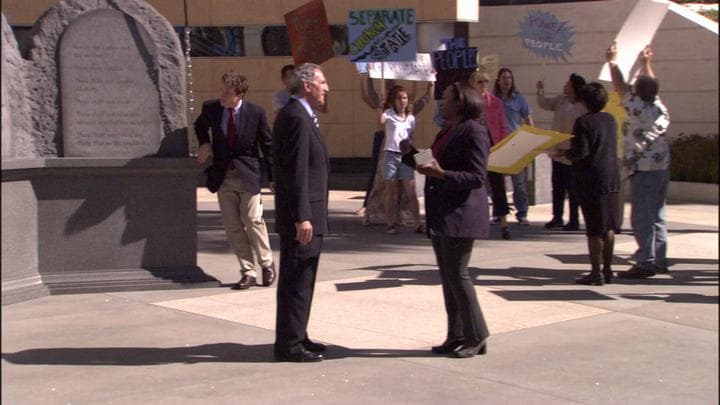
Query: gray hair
point(304, 73)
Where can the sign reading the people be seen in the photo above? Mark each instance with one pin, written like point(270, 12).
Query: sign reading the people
point(309, 33)
point(546, 36)
point(382, 35)
point(455, 64)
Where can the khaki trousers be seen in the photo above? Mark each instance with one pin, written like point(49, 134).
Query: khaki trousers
point(244, 225)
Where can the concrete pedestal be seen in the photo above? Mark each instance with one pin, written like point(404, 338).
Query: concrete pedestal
point(75, 225)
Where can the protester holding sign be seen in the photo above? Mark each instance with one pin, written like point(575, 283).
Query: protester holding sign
point(517, 112)
point(399, 124)
point(374, 202)
point(494, 117)
point(566, 107)
point(647, 158)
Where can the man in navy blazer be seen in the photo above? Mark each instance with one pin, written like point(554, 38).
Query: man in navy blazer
point(301, 203)
point(239, 132)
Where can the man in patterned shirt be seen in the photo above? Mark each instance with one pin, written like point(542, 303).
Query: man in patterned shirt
point(647, 161)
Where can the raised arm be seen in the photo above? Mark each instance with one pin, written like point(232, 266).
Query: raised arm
point(645, 63)
point(617, 77)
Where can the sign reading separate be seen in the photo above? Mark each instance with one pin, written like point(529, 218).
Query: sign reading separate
point(637, 31)
point(309, 33)
point(382, 35)
point(546, 36)
point(420, 70)
point(454, 64)
point(518, 149)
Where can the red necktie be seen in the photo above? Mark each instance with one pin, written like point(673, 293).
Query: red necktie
point(231, 129)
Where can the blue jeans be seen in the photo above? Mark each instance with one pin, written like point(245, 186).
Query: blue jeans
point(520, 193)
point(648, 191)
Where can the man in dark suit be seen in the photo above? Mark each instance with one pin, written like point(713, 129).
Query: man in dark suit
point(239, 131)
point(301, 201)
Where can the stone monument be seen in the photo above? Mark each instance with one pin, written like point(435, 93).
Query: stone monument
point(98, 191)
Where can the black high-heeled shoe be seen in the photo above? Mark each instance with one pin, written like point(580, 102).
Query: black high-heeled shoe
point(447, 347)
point(590, 279)
point(470, 350)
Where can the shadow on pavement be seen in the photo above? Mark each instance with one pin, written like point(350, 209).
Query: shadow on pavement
point(209, 353)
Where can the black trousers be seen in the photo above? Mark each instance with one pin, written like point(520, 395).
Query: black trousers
point(500, 206)
point(562, 184)
point(296, 285)
point(465, 319)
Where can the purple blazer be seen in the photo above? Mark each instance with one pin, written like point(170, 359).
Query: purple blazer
point(457, 205)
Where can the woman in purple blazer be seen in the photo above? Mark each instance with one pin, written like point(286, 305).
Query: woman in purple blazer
point(456, 210)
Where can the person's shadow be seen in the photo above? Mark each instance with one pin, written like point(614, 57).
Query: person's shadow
point(208, 353)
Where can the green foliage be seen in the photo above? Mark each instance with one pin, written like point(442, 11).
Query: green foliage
point(711, 14)
point(694, 158)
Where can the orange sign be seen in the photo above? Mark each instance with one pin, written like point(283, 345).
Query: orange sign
point(309, 33)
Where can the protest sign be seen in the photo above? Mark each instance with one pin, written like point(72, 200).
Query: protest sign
point(637, 31)
point(546, 36)
point(309, 33)
point(490, 64)
point(420, 70)
point(382, 35)
point(455, 64)
point(518, 149)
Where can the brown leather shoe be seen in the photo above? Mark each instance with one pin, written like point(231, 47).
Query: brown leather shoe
point(268, 275)
point(244, 283)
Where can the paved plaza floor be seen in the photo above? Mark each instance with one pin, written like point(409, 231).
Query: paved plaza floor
point(378, 305)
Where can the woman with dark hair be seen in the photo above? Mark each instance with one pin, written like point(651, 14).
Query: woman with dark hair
point(456, 210)
point(566, 107)
point(496, 123)
point(517, 112)
point(596, 173)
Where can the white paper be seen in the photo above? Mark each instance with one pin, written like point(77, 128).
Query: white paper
point(516, 148)
point(420, 70)
point(423, 157)
point(637, 32)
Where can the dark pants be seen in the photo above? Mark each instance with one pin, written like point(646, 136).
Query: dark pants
point(500, 206)
point(562, 184)
point(296, 284)
point(377, 144)
point(465, 319)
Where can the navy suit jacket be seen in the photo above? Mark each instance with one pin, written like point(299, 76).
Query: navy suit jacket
point(301, 171)
point(253, 134)
point(457, 205)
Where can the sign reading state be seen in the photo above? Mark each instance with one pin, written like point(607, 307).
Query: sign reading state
point(382, 35)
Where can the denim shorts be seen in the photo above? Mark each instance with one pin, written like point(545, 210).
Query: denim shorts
point(395, 169)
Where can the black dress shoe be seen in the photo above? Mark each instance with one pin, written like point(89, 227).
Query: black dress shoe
point(447, 347)
point(505, 233)
point(470, 350)
point(608, 276)
point(571, 226)
point(244, 283)
point(301, 356)
point(268, 274)
point(590, 279)
point(554, 223)
point(313, 346)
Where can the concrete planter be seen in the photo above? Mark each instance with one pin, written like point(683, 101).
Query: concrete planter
point(693, 192)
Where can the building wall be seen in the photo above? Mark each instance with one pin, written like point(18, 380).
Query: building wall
point(686, 58)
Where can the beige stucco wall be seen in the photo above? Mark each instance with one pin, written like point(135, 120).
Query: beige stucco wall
point(686, 58)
